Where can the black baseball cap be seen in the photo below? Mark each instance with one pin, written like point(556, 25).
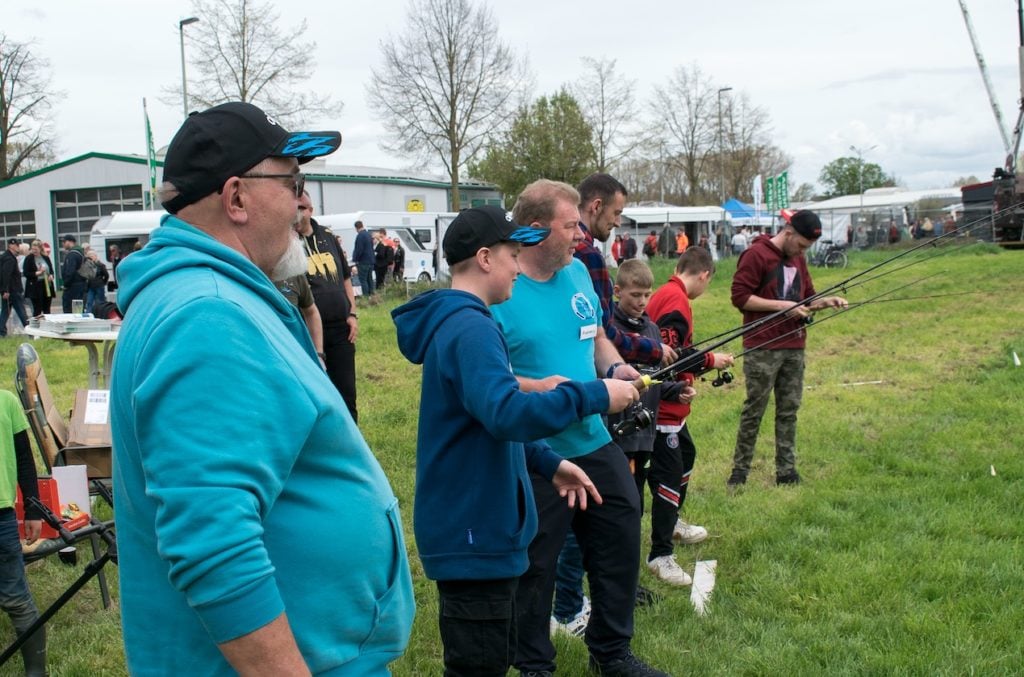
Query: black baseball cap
point(806, 223)
point(13, 241)
point(69, 238)
point(225, 141)
point(485, 226)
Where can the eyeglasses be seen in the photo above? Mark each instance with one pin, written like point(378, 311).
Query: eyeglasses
point(297, 180)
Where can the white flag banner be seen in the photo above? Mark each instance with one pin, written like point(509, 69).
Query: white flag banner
point(757, 196)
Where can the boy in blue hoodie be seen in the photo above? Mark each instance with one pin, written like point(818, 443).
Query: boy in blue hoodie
point(474, 514)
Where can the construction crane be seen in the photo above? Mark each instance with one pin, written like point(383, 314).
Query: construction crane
point(984, 76)
point(1003, 197)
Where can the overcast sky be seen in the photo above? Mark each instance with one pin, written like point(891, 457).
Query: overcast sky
point(898, 75)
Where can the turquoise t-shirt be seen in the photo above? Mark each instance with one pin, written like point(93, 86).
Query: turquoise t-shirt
point(550, 328)
point(14, 421)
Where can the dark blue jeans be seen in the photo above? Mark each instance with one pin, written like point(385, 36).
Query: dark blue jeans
point(15, 598)
point(569, 580)
point(365, 271)
point(16, 301)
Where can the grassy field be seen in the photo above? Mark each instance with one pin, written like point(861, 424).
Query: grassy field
point(902, 553)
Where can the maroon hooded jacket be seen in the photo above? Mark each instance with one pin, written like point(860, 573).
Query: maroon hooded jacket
point(761, 271)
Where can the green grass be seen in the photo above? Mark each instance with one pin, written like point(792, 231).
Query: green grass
point(901, 553)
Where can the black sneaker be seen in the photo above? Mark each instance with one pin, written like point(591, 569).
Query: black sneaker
point(791, 477)
point(737, 478)
point(646, 597)
point(536, 673)
point(627, 666)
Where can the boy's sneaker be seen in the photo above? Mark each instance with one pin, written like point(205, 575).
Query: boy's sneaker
point(791, 477)
point(667, 569)
point(688, 533)
point(627, 666)
point(577, 625)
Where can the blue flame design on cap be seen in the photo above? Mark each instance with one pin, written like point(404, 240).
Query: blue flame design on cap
point(528, 236)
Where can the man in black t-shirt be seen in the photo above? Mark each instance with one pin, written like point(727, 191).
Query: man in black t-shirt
point(330, 279)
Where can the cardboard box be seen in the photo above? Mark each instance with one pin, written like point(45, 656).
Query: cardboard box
point(89, 438)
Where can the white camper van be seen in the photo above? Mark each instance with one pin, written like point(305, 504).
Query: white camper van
point(419, 232)
point(124, 229)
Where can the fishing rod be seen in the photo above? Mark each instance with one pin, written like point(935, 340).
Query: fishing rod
point(696, 354)
point(640, 417)
point(874, 299)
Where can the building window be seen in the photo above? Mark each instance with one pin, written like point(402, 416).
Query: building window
point(21, 225)
point(77, 210)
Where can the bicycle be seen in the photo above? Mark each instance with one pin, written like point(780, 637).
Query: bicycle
point(828, 254)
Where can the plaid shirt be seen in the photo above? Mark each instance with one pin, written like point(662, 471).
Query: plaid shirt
point(632, 348)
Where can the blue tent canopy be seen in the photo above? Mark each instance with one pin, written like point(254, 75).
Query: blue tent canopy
point(739, 210)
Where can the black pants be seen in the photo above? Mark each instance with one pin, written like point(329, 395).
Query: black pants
point(609, 537)
point(671, 465)
point(478, 629)
point(639, 465)
point(340, 357)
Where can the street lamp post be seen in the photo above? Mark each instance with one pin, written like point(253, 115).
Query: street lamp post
point(860, 173)
point(721, 166)
point(181, 37)
point(721, 152)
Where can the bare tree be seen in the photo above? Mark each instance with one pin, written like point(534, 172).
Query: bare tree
point(238, 53)
point(447, 85)
point(26, 132)
point(747, 147)
point(606, 99)
point(686, 108)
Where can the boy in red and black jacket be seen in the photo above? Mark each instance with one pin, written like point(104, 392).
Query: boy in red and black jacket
point(674, 451)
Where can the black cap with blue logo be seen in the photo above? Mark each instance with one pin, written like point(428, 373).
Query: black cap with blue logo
point(485, 226)
point(227, 140)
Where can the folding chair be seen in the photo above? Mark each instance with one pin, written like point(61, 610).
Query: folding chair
point(51, 433)
point(48, 424)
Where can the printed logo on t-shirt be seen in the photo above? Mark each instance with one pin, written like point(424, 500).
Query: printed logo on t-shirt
point(582, 306)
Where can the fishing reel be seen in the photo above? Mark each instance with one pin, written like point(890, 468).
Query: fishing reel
point(637, 418)
point(724, 377)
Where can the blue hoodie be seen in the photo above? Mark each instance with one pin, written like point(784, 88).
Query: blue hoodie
point(474, 514)
point(243, 488)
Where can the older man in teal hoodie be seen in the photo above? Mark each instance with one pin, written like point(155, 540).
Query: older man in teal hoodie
point(257, 533)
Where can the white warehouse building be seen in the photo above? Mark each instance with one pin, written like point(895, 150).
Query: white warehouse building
point(68, 197)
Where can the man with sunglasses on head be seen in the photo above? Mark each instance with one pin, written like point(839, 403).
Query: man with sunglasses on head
point(216, 499)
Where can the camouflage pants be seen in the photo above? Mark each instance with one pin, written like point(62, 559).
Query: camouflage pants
point(764, 371)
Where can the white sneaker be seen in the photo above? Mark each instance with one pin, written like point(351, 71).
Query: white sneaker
point(575, 627)
point(667, 569)
point(688, 533)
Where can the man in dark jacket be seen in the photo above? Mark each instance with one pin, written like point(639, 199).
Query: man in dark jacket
point(362, 258)
point(10, 285)
point(74, 284)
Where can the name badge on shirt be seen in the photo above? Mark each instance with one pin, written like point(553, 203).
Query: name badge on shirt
point(588, 332)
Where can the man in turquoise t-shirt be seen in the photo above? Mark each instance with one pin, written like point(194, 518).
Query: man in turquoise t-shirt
point(18, 469)
point(553, 327)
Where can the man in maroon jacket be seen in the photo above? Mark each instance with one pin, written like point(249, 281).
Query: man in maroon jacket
point(772, 275)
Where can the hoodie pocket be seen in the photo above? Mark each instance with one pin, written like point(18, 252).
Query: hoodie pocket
point(393, 610)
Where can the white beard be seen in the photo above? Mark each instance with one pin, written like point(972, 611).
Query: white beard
point(292, 263)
